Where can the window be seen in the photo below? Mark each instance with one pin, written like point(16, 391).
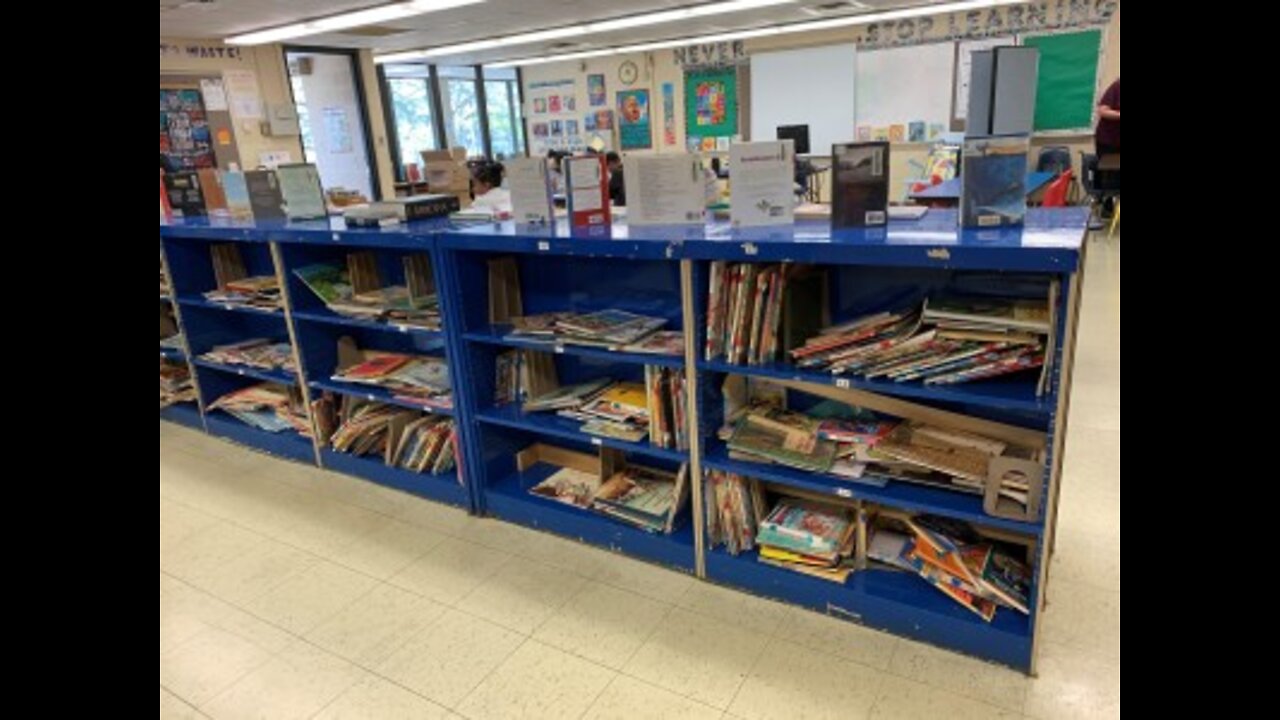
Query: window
point(503, 111)
point(304, 118)
point(461, 111)
point(412, 111)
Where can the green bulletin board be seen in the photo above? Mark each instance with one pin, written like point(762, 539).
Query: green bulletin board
point(1068, 79)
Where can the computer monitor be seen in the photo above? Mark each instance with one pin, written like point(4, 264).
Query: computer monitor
point(798, 133)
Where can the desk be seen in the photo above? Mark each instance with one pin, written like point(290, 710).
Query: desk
point(947, 193)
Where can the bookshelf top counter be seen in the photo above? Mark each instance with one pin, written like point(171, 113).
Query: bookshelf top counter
point(418, 233)
point(1050, 241)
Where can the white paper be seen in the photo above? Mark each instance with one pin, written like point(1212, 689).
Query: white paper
point(215, 98)
point(274, 158)
point(528, 180)
point(665, 189)
point(241, 87)
point(585, 180)
point(762, 183)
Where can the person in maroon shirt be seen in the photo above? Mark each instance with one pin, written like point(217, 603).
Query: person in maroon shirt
point(1106, 140)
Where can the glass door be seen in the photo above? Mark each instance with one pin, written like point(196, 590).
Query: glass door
point(329, 99)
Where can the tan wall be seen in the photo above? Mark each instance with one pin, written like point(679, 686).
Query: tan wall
point(211, 57)
point(267, 62)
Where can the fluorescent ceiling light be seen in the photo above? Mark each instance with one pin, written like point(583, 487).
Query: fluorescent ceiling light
point(356, 18)
point(622, 23)
point(846, 21)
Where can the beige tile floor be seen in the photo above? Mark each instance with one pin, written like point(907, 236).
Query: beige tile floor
point(291, 592)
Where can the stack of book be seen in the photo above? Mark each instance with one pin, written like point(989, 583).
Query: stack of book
point(610, 329)
point(266, 406)
point(947, 341)
point(428, 444)
point(871, 449)
point(396, 303)
point(365, 427)
point(809, 538)
point(164, 280)
point(175, 341)
point(744, 312)
point(647, 498)
point(419, 379)
point(175, 383)
point(975, 572)
point(255, 352)
point(623, 410)
point(732, 503)
point(262, 292)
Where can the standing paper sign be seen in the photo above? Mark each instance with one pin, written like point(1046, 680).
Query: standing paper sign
point(665, 189)
point(587, 187)
point(530, 185)
point(762, 183)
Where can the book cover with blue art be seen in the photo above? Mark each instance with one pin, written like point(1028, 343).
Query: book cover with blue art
point(993, 177)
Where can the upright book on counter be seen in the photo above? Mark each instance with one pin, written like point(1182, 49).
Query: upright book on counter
point(860, 194)
point(587, 187)
point(993, 181)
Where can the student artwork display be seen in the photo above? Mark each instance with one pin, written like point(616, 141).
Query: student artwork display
point(557, 128)
point(915, 131)
point(549, 102)
point(668, 113)
point(634, 129)
point(539, 106)
point(553, 104)
point(897, 133)
point(711, 102)
point(864, 133)
point(595, 90)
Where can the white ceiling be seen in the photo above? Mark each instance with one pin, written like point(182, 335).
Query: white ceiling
point(222, 18)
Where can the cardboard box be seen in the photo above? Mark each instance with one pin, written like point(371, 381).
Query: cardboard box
point(454, 155)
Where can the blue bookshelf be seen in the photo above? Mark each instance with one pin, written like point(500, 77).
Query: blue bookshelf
point(663, 272)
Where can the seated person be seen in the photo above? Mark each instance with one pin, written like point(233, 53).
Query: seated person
point(555, 170)
point(486, 188)
point(617, 183)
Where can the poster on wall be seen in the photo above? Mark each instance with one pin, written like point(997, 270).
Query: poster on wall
point(711, 102)
point(552, 104)
point(634, 129)
point(337, 126)
point(595, 90)
point(668, 114)
point(241, 87)
point(185, 137)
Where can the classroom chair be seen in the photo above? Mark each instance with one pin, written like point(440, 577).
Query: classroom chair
point(1054, 159)
point(1055, 193)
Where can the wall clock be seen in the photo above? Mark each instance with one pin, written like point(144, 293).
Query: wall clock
point(628, 72)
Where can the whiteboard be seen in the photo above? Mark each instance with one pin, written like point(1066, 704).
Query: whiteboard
point(810, 86)
point(900, 85)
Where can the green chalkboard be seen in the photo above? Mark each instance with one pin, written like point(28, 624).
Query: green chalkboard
point(1068, 79)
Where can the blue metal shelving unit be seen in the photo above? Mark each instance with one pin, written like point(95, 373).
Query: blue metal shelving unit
point(664, 271)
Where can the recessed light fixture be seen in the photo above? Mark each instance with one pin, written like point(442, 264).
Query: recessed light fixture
point(356, 18)
point(622, 23)
point(808, 26)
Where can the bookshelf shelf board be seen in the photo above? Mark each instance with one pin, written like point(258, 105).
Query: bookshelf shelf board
point(443, 487)
point(495, 336)
point(324, 316)
point(285, 444)
point(375, 394)
point(548, 423)
point(183, 413)
point(277, 376)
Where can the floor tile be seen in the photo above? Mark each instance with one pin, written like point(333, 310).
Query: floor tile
point(295, 684)
point(310, 596)
point(603, 624)
point(792, 681)
point(376, 699)
point(838, 637)
point(537, 682)
point(174, 708)
point(446, 660)
point(388, 549)
point(205, 665)
point(1072, 685)
point(450, 570)
point(368, 630)
point(698, 657)
point(902, 699)
point(734, 607)
point(522, 594)
point(975, 679)
point(652, 581)
point(629, 699)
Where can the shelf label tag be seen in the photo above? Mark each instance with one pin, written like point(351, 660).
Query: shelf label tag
point(842, 383)
point(749, 249)
point(369, 398)
point(844, 492)
point(336, 237)
point(426, 409)
point(239, 371)
point(939, 254)
point(544, 245)
point(596, 441)
point(559, 349)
